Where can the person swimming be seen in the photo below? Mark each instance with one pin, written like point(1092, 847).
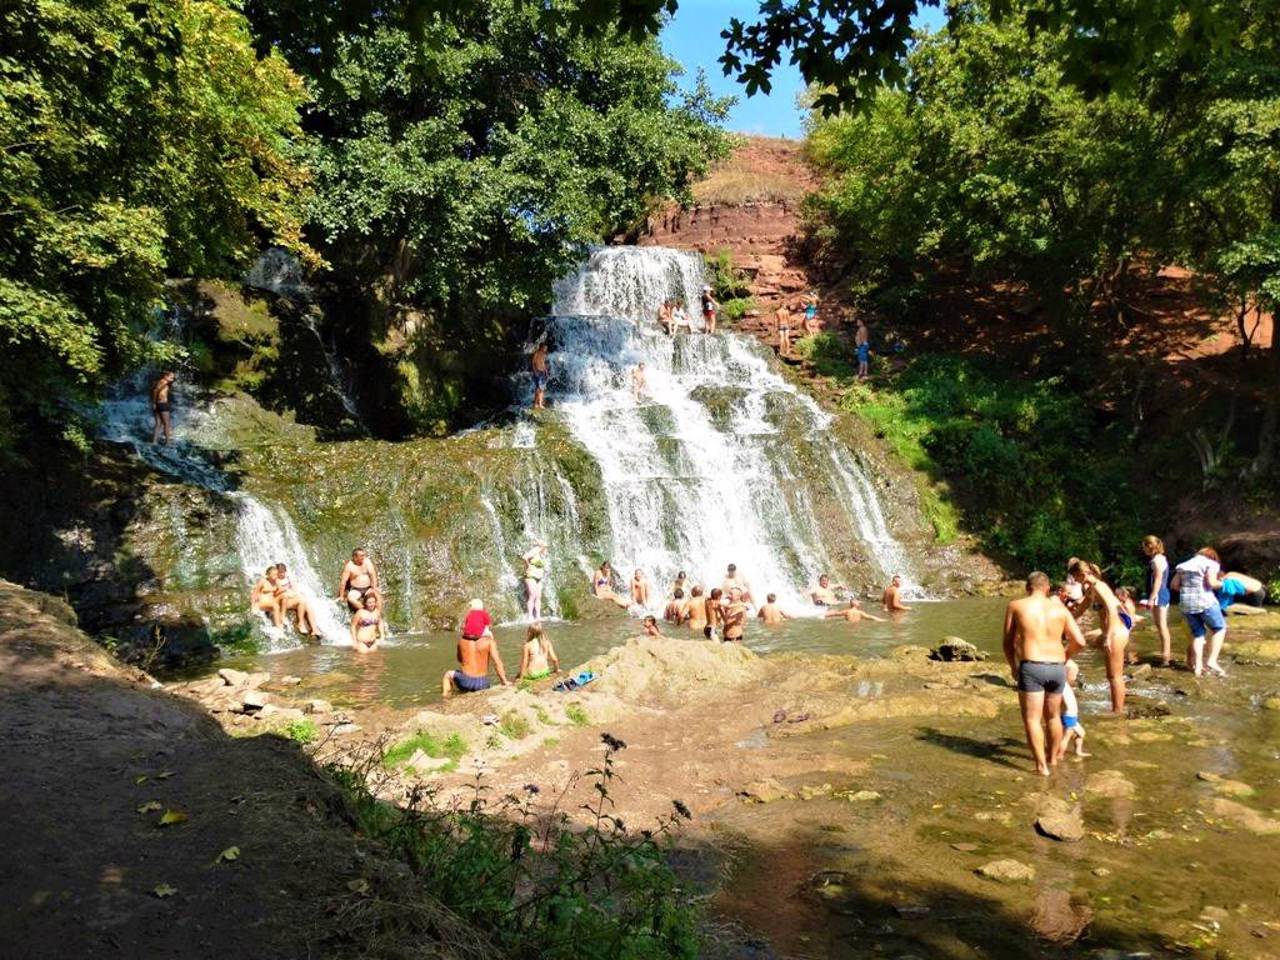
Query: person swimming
point(771, 613)
point(368, 628)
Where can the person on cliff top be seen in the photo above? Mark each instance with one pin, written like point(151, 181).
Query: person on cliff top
point(1196, 580)
point(264, 597)
point(1116, 623)
point(1072, 728)
point(892, 596)
point(538, 658)
point(852, 614)
point(651, 627)
point(359, 577)
point(862, 341)
point(1157, 599)
point(368, 628)
point(291, 600)
point(733, 580)
point(824, 594)
point(535, 568)
point(162, 406)
point(771, 613)
point(709, 308)
point(733, 614)
point(638, 384)
point(540, 367)
point(782, 324)
point(677, 611)
point(639, 588)
point(1040, 635)
point(476, 648)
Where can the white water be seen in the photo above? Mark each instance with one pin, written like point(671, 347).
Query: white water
point(690, 488)
point(265, 535)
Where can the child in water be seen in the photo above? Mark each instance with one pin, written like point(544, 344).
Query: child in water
point(1129, 617)
point(1071, 725)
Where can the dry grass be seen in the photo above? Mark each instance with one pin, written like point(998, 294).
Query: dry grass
point(760, 170)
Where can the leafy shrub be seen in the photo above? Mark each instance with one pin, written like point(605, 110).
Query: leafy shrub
point(301, 731)
point(727, 281)
point(577, 715)
point(534, 883)
point(452, 747)
point(735, 309)
point(514, 726)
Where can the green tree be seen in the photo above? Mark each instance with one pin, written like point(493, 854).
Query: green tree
point(462, 165)
point(136, 139)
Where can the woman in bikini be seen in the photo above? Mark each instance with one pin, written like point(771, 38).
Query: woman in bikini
point(290, 599)
point(263, 598)
point(539, 658)
point(535, 568)
point(368, 628)
point(602, 586)
point(1116, 623)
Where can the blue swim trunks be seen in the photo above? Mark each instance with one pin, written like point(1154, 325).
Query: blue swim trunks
point(1204, 621)
point(1069, 721)
point(864, 353)
point(469, 684)
point(539, 381)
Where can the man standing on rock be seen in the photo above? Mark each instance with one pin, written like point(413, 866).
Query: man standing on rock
point(1035, 627)
point(541, 370)
point(862, 340)
point(476, 647)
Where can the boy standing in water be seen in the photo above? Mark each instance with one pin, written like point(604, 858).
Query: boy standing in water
point(1071, 725)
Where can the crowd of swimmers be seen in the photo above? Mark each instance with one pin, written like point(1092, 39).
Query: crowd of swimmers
point(1046, 629)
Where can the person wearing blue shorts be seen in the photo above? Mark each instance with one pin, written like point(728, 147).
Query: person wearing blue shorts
point(1072, 728)
point(1196, 580)
point(862, 339)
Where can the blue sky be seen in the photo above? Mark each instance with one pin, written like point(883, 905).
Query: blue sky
point(693, 38)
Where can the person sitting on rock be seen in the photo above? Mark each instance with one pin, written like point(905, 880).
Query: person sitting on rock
point(538, 659)
point(291, 599)
point(264, 596)
point(359, 577)
point(640, 588)
point(852, 614)
point(476, 647)
point(602, 586)
point(771, 613)
point(368, 628)
point(892, 596)
point(824, 594)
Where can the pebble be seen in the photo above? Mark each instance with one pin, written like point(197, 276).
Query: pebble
point(318, 706)
point(1101, 872)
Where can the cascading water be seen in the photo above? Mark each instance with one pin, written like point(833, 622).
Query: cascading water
point(265, 535)
point(698, 467)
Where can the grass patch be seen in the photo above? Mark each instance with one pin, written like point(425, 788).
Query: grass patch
point(736, 186)
point(577, 715)
point(514, 726)
point(544, 718)
point(452, 747)
point(736, 308)
point(551, 742)
point(300, 731)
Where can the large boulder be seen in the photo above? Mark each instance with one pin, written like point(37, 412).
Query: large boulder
point(953, 649)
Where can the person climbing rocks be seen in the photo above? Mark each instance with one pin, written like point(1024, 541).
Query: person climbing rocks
point(709, 308)
point(1040, 635)
point(368, 628)
point(540, 367)
point(359, 577)
point(535, 568)
point(771, 613)
point(476, 648)
point(162, 406)
point(1196, 580)
point(538, 658)
point(862, 341)
point(892, 596)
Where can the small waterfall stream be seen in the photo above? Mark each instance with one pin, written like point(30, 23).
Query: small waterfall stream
point(699, 470)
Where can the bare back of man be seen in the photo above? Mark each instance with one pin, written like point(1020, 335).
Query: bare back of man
point(474, 657)
point(1039, 635)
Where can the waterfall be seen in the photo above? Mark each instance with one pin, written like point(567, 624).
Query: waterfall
point(265, 535)
point(699, 471)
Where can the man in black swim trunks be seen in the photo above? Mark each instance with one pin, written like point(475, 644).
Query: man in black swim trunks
point(162, 406)
point(1035, 627)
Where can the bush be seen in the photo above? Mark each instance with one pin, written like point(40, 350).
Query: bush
point(535, 884)
point(577, 715)
point(735, 309)
point(452, 747)
point(727, 281)
point(301, 731)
